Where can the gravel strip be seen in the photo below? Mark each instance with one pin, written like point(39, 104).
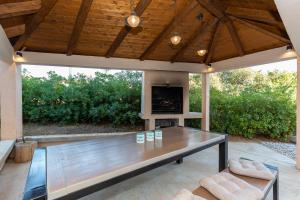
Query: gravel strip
point(286, 149)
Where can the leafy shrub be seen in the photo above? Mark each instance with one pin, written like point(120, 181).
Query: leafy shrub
point(82, 99)
point(249, 103)
point(251, 114)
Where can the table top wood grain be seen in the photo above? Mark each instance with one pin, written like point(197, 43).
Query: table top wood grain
point(73, 166)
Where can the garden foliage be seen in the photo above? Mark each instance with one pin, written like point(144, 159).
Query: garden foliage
point(82, 99)
point(243, 102)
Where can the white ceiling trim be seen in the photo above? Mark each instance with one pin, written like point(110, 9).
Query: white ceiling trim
point(36, 58)
point(290, 15)
point(259, 58)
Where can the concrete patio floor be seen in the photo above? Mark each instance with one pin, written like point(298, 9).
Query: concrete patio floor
point(164, 182)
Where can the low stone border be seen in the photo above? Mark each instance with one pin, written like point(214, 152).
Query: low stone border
point(71, 137)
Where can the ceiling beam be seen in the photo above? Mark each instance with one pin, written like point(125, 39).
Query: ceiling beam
point(271, 22)
point(198, 34)
point(15, 31)
point(213, 7)
point(19, 8)
point(47, 5)
point(12, 21)
point(260, 29)
point(213, 42)
point(252, 4)
point(167, 30)
point(216, 8)
point(80, 20)
point(140, 8)
point(234, 36)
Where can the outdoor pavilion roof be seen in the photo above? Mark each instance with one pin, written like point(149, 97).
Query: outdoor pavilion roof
point(229, 28)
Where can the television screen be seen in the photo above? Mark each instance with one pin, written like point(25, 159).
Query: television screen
point(167, 100)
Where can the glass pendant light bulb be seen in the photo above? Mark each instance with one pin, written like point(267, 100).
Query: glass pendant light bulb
point(175, 39)
point(201, 52)
point(133, 20)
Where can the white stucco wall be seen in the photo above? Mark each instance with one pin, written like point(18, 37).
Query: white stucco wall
point(10, 91)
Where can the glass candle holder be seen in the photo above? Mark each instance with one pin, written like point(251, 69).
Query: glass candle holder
point(150, 136)
point(158, 134)
point(140, 138)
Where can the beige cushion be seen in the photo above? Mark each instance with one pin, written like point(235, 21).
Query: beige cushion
point(250, 168)
point(186, 195)
point(225, 186)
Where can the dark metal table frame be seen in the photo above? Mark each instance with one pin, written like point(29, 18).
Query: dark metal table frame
point(36, 185)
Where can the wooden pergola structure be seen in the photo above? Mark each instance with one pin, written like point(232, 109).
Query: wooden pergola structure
point(93, 33)
point(227, 28)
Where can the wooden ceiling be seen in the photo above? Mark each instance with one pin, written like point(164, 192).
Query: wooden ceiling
point(229, 28)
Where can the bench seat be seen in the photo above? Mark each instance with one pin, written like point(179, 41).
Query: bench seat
point(263, 185)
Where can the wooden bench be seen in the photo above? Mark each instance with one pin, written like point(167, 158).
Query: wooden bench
point(36, 188)
point(263, 185)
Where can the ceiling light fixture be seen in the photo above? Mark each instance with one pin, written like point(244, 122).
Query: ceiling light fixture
point(175, 38)
point(133, 20)
point(18, 56)
point(201, 52)
point(289, 48)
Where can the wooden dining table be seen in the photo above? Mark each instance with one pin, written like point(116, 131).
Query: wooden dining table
point(75, 170)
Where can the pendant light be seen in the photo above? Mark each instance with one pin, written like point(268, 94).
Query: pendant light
point(133, 20)
point(201, 52)
point(175, 38)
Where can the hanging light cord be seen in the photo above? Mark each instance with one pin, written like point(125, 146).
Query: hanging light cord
point(131, 6)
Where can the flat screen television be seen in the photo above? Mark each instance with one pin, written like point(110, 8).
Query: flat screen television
point(167, 100)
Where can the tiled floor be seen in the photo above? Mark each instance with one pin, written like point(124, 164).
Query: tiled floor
point(164, 182)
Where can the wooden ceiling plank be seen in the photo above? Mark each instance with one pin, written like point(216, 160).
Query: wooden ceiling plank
point(216, 8)
point(260, 29)
point(213, 7)
point(213, 42)
point(79, 23)
point(275, 15)
point(13, 21)
point(234, 36)
point(140, 8)
point(279, 24)
point(38, 18)
point(198, 34)
point(167, 30)
point(251, 4)
point(15, 31)
point(19, 8)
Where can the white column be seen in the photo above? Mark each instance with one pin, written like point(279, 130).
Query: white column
point(181, 121)
point(298, 116)
point(10, 92)
point(205, 102)
point(11, 103)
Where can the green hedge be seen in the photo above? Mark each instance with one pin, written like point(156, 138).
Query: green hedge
point(81, 99)
point(251, 114)
point(260, 105)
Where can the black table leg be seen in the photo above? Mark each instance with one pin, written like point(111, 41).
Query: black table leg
point(275, 189)
point(179, 161)
point(223, 154)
